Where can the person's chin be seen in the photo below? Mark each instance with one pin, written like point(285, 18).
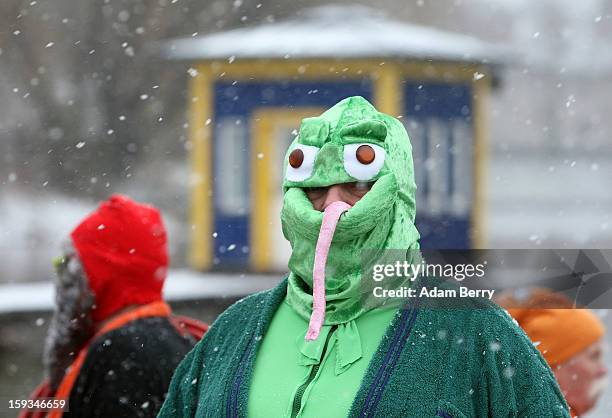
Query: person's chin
point(597, 389)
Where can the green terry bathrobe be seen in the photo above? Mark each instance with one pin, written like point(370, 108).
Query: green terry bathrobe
point(415, 361)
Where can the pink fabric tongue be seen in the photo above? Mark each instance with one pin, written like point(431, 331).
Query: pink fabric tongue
point(328, 227)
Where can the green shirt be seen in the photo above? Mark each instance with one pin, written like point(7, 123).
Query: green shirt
point(305, 374)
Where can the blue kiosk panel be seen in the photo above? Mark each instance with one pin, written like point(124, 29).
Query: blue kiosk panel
point(438, 118)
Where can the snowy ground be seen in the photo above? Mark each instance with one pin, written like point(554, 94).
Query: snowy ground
point(181, 285)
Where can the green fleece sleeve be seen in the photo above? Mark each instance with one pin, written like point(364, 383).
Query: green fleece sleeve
point(516, 380)
point(501, 398)
point(541, 407)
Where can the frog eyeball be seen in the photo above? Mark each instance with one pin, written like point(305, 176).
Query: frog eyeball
point(363, 161)
point(300, 162)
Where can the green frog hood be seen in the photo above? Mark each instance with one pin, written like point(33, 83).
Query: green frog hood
point(331, 151)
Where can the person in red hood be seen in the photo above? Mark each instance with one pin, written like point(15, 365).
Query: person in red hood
point(113, 344)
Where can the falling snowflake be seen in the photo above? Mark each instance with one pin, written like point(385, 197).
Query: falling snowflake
point(478, 75)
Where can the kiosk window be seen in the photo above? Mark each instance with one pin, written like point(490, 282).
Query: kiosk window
point(232, 152)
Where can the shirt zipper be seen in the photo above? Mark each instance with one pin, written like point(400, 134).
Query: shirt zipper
point(297, 400)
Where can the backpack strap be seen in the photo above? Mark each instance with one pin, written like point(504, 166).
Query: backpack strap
point(42, 391)
point(189, 326)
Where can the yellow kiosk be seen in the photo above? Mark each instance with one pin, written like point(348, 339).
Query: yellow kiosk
point(250, 88)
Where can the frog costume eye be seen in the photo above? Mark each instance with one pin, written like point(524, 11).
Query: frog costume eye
point(301, 162)
point(364, 156)
point(363, 161)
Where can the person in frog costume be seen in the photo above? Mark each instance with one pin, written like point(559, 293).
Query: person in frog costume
point(311, 348)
